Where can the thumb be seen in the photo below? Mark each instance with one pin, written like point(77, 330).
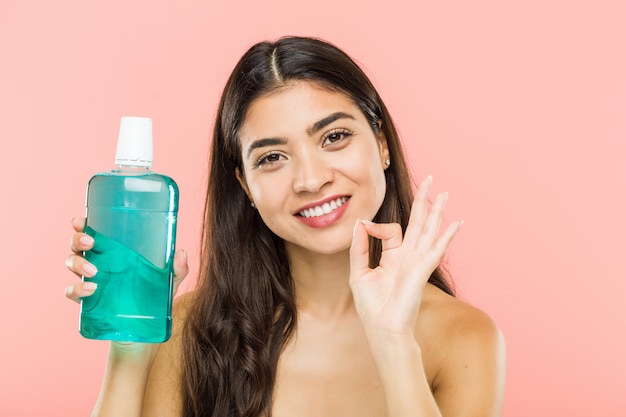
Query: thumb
point(181, 269)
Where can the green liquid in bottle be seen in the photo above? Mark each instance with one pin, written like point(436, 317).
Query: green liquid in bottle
point(132, 216)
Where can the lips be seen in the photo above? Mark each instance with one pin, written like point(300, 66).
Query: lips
point(323, 213)
point(324, 208)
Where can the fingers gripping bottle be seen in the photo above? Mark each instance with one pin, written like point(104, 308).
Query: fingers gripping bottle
point(131, 214)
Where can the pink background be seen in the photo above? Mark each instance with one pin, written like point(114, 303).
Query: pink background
point(518, 109)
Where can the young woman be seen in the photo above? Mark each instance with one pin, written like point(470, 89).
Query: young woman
point(320, 291)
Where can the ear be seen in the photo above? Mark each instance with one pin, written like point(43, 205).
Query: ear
point(383, 149)
point(242, 182)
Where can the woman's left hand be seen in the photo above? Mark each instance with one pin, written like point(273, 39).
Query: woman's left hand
point(388, 297)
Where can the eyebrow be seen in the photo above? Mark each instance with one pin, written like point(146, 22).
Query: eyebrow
point(328, 120)
point(261, 143)
point(314, 128)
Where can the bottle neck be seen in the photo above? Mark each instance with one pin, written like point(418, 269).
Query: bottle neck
point(132, 169)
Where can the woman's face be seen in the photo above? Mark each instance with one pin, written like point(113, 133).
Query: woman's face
point(312, 166)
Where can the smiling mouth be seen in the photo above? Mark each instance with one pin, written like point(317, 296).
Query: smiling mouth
point(325, 208)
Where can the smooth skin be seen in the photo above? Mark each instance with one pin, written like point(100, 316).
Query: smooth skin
point(369, 342)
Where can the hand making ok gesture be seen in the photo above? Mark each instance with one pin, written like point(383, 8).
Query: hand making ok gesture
point(388, 297)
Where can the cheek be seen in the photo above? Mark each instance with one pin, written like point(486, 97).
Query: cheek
point(375, 171)
point(380, 185)
point(267, 191)
point(378, 181)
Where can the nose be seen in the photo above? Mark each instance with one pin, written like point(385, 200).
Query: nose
point(311, 173)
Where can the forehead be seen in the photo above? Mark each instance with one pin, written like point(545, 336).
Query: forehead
point(296, 106)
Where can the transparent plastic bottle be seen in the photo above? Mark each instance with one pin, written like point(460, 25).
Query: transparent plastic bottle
point(132, 214)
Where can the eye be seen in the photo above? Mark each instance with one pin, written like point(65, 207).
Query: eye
point(268, 159)
point(335, 135)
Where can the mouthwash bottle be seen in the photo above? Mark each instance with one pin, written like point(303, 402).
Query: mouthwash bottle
point(131, 214)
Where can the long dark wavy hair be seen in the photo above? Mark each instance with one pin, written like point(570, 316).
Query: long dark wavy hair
point(244, 309)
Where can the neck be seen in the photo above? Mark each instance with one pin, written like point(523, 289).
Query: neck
point(321, 283)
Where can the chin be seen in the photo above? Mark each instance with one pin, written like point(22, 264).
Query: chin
point(320, 249)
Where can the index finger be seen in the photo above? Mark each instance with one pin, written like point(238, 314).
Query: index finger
point(419, 212)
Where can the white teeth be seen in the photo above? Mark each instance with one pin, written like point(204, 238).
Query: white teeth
point(324, 208)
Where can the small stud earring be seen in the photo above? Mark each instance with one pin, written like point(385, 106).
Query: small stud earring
point(252, 204)
point(387, 162)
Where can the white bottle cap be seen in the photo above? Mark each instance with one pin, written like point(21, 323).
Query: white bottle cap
point(134, 143)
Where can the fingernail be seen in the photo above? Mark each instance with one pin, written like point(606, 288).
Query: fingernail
point(366, 221)
point(69, 289)
point(90, 270)
point(185, 255)
point(430, 179)
point(89, 286)
point(86, 240)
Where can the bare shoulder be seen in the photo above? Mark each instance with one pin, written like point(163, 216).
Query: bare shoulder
point(470, 356)
point(456, 319)
point(163, 396)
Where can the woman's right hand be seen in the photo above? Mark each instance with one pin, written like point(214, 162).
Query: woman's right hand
point(129, 363)
point(75, 262)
